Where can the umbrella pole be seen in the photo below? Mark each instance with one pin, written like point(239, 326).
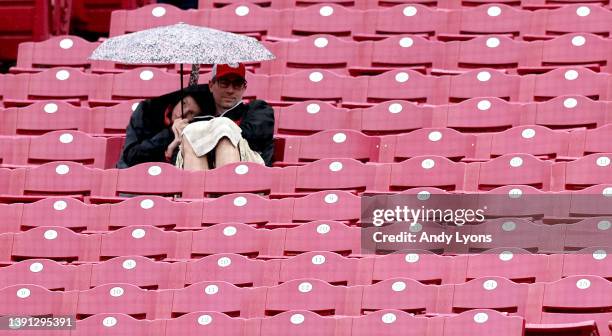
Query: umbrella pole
point(181, 74)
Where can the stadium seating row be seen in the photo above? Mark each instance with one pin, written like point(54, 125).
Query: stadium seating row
point(112, 257)
point(77, 87)
point(362, 58)
point(571, 300)
point(384, 323)
point(305, 118)
point(103, 152)
point(329, 18)
point(362, 4)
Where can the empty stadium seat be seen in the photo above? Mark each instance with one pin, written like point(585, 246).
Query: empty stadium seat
point(230, 267)
point(592, 260)
point(576, 49)
point(232, 238)
point(565, 81)
point(110, 120)
point(423, 266)
point(327, 205)
point(308, 117)
point(403, 19)
point(149, 209)
point(58, 178)
point(65, 212)
point(492, 51)
point(218, 296)
point(399, 293)
point(591, 202)
point(58, 51)
point(41, 272)
point(483, 115)
point(389, 322)
point(523, 201)
point(24, 21)
point(299, 323)
point(597, 141)
point(62, 83)
point(484, 83)
point(43, 117)
point(535, 140)
point(31, 300)
point(197, 323)
point(444, 142)
point(427, 171)
point(249, 19)
point(572, 111)
point(141, 240)
point(111, 324)
point(116, 298)
point(243, 177)
point(66, 145)
point(316, 85)
point(395, 116)
point(514, 264)
point(136, 270)
point(515, 169)
point(589, 232)
point(575, 18)
point(406, 84)
point(52, 242)
point(483, 322)
point(329, 144)
point(326, 19)
point(489, 19)
point(497, 293)
point(327, 266)
point(150, 16)
point(94, 15)
point(306, 294)
point(323, 235)
point(587, 171)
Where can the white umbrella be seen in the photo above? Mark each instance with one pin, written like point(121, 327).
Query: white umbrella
point(181, 43)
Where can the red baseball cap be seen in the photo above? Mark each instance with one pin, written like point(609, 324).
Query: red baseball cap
point(220, 70)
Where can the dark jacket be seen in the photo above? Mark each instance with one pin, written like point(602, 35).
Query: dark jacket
point(148, 136)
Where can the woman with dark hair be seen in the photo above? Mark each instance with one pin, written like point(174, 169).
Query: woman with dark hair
point(153, 134)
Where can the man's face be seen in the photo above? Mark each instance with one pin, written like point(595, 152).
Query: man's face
point(190, 109)
point(227, 90)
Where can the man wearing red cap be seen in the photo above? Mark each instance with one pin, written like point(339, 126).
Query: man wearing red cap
point(234, 131)
point(217, 127)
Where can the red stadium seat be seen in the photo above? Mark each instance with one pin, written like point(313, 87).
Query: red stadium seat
point(515, 264)
point(402, 294)
point(147, 241)
point(483, 115)
point(146, 178)
point(154, 15)
point(592, 260)
point(318, 85)
point(576, 18)
point(41, 272)
point(577, 49)
point(589, 232)
point(112, 119)
point(43, 117)
point(523, 201)
point(496, 18)
point(598, 141)
point(406, 51)
point(444, 142)
point(497, 293)
point(113, 324)
point(67, 84)
point(566, 81)
point(229, 267)
point(515, 169)
point(150, 210)
point(116, 298)
point(249, 19)
point(588, 171)
point(427, 171)
point(571, 112)
point(327, 266)
point(515, 233)
point(323, 235)
point(232, 238)
point(10, 216)
point(591, 201)
point(65, 212)
point(482, 322)
point(306, 294)
point(299, 323)
point(31, 300)
point(329, 144)
point(136, 270)
point(218, 296)
point(58, 51)
point(423, 266)
point(209, 323)
point(406, 84)
point(239, 207)
point(52, 242)
point(59, 178)
point(389, 322)
point(535, 140)
point(327, 205)
point(484, 83)
point(578, 298)
point(63, 145)
point(404, 19)
point(499, 52)
point(336, 174)
point(326, 19)
point(242, 177)
point(395, 116)
point(317, 51)
point(305, 118)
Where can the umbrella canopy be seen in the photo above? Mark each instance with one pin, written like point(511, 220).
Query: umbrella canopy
point(181, 43)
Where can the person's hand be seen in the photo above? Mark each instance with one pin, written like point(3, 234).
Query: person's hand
point(178, 126)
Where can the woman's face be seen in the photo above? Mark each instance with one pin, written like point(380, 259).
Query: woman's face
point(190, 109)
